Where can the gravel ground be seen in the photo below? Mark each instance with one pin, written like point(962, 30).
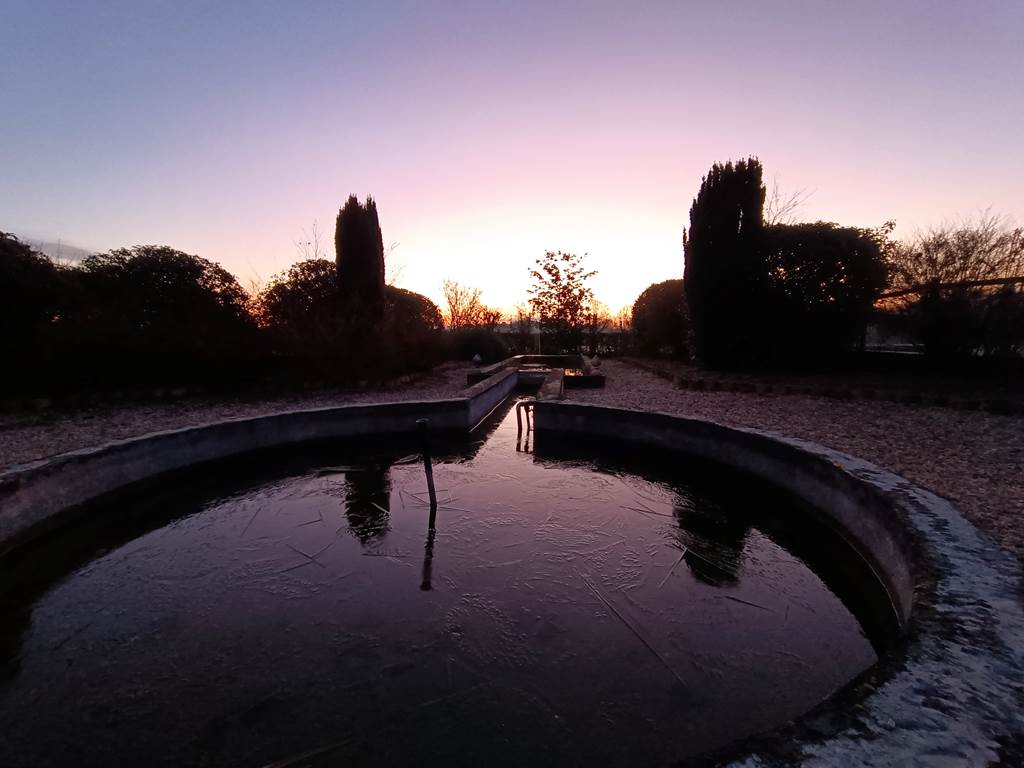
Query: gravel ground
point(28, 437)
point(973, 458)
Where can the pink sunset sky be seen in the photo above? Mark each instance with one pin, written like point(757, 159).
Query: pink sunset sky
point(489, 133)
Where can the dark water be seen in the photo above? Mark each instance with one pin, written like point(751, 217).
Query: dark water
point(564, 610)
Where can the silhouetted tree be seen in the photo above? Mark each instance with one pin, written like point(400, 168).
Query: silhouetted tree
point(164, 315)
point(712, 540)
point(822, 281)
point(31, 291)
point(659, 318)
point(521, 322)
point(301, 312)
point(359, 249)
point(597, 321)
point(723, 273)
point(560, 297)
point(465, 309)
point(413, 331)
point(955, 286)
point(368, 502)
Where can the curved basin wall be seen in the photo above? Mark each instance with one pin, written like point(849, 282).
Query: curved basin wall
point(953, 691)
point(34, 497)
point(863, 515)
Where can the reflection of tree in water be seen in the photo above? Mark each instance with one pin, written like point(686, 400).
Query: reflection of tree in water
point(713, 539)
point(368, 502)
point(17, 617)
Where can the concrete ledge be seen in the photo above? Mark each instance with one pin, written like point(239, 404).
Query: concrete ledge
point(554, 361)
point(484, 396)
point(35, 497)
point(952, 693)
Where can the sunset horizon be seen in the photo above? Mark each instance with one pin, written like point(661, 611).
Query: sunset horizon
point(490, 136)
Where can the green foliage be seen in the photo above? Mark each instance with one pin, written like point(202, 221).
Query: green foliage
point(359, 250)
point(659, 319)
point(560, 297)
point(822, 281)
point(723, 273)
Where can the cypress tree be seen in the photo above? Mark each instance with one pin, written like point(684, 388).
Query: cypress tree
point(721, 271)
point(359, 249)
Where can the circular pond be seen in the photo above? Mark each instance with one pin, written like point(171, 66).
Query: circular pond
point(575, 608)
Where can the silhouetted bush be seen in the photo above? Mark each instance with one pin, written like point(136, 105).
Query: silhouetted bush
point(723, 273)
point(467, 342)
point(660, 319)
point(32, 295)
point(822, 281)
point(1004, 323)
point(152, 314)
point(305, 317)
point(413, 333)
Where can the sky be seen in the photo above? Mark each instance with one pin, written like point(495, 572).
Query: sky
point(489, 133)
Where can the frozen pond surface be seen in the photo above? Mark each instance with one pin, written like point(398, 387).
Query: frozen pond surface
point(566, 610)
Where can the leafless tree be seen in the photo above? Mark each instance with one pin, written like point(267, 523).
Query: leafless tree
point(465, 309)
point(781, 208)
point(521, 322)
point(310, 245)
point(597, 319)
point(985, 250)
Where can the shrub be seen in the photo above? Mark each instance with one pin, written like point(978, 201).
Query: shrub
point(822, 281)
point(468, 342)
point(31, 292)
point(413, 334)
point(302, 305)
point(155, 314)
point(660, 319)
point(34, 298)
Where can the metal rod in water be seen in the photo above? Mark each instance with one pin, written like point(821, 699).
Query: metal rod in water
point(422, 424)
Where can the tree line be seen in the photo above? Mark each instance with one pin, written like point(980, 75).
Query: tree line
point(757, 290)
point(760, 291)
point(153, 316)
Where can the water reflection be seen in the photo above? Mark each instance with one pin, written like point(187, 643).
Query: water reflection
point(712, 541)
point(368, 502)
point(428, 551)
